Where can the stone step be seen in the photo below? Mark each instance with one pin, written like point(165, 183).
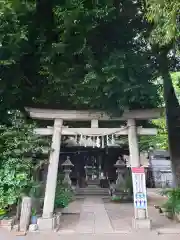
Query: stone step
point(92, 187)
point(92, 191)
point(91, 194)
point(97, 191)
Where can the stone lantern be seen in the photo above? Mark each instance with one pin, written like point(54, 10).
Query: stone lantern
point(67, 165)
point(120, 170)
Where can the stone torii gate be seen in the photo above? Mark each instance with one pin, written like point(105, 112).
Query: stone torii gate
point(58, 116)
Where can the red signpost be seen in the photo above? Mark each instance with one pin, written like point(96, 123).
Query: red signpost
point(137, 170)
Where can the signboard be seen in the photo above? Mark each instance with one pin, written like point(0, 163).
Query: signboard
point(139, 188)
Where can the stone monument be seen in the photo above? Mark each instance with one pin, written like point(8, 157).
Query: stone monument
point(25, 214)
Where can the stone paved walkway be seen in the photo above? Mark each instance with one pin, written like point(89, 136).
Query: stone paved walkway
point(120, 216)
point(97, 216)
point(4, 235)
point(93, 217)
point(70, 217)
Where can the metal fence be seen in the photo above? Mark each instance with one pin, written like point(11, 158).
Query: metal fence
point(159, 177)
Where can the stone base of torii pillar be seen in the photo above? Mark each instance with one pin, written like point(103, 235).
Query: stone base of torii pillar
point(144, 223)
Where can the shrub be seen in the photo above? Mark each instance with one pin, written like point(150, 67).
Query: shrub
point(17, 144)
point(172, 205)
point(64, 194)
point(116, 198)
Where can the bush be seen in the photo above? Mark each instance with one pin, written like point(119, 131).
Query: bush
point(116, 198)
point(64, 195)
point(172, 205)
point(17, 143)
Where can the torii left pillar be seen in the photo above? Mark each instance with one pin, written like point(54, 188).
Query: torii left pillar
point(48, 221)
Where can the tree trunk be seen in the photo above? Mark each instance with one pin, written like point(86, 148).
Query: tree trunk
point(172, 109)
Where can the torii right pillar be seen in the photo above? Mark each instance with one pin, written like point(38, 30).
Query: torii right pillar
point(140, 219)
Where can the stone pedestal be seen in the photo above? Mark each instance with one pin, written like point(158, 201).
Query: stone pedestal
point(67, 165)
point(141, 223)
point(46, 224)
point(67, 177)
point(49, 224)
point(120, 178)
point(25, 214)
point(121, 168)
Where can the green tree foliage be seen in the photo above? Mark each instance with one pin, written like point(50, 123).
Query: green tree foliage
point(176, 84)
point(17, 143)
point(75, 53)
point(21, 53)
point(164, 15)
point(160, 141)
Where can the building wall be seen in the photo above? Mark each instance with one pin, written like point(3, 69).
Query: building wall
point(161, 172)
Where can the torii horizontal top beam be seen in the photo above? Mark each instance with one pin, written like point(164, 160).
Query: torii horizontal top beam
point(95, 131)
point(73, 115)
